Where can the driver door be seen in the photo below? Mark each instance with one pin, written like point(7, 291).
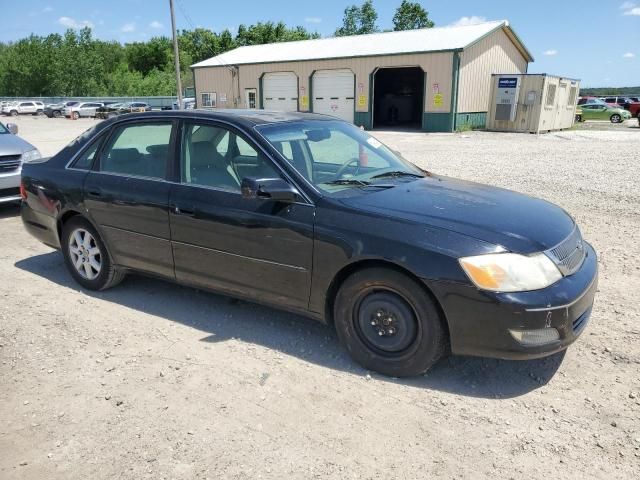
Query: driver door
point(256, 248)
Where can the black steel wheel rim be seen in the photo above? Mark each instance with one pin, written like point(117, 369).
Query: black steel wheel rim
point(386, 322)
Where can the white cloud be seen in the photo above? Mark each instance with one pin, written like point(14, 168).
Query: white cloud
point(550, 53)
point(47, 9)
point(465, 21)
point(156, 24)
point(313, 20)
point(628, 55)
point(73, 23)
point(633, 11)
point(128, 28)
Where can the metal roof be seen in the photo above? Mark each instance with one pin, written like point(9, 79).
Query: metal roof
point(387, 43)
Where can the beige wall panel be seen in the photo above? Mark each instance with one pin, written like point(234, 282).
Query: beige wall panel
point(494, 54)
point(437, 65)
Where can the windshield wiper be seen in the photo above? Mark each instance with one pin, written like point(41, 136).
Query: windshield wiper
point(397, 173)
point(347, 181)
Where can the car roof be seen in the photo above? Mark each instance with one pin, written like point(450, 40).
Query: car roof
point(248, 118)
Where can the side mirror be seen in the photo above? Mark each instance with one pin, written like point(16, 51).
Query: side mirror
point(13, 128)
point(274, 189)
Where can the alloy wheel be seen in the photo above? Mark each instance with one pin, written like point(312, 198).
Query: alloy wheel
point(85, 254)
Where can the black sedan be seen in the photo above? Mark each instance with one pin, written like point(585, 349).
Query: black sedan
point(313, 215)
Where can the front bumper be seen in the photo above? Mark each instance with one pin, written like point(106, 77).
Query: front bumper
point(479, 321)
point(10, 186)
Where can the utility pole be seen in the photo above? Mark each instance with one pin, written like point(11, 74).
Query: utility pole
point(176, 56)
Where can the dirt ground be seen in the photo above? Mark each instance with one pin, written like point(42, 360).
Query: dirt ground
point(152, 380)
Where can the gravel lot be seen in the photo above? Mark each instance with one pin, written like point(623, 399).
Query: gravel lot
point(152, 380)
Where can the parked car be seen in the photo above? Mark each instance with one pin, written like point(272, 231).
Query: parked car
point(110, 111)
point(83, 109)
point(627, 103)
point(13, 152)
point(55, 110)
point(311, 214)
point(590, 101)
point(23, 108)
point(188, 102)
point(604, 111)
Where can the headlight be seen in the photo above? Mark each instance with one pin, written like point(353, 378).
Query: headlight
point(31, 155)
point(511, 272)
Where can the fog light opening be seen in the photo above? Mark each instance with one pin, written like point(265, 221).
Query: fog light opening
point(539, 336)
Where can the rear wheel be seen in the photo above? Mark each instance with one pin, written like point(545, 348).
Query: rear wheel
point(389, 323)
point(86, 256)
point(615, 118)
point(56, 114)
point(14, 113)
point(75, 115)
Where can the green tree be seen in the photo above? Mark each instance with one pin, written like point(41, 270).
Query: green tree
point(358, 20)
point(269, 32)
point(411, 15)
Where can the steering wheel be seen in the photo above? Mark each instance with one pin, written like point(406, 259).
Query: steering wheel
point(343, 168)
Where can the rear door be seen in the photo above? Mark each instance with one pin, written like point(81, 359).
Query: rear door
point(253, 248)
point(127, 195)
point(27, 107)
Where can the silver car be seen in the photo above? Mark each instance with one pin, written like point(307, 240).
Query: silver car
point(82, 109)
point(13, 152)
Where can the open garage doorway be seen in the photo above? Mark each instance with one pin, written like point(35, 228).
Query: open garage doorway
point(398, 97)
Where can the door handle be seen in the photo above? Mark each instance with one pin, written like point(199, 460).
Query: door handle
point(182, 211)
point(94, 192)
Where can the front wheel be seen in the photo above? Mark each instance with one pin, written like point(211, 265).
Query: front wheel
point(86, 256)
point(75, 115)
point(579, 118)
point(56, 114)
point(14, 113)
point(615, 118)
point(389, 323)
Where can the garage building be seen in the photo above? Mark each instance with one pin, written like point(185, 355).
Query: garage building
point(436, 80)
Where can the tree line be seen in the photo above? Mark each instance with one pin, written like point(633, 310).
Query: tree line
point(77, 64)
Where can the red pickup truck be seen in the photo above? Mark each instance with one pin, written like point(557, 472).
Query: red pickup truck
point(626, 103)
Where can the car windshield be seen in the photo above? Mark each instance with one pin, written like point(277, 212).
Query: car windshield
point(336, 156)
point(3, 129)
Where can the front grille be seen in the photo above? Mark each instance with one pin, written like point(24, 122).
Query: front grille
point(569, 254)
point(9, 192)
point(8, 163)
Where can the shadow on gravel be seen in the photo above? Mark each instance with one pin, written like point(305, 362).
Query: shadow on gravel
point(221, 319)
point(9, 210)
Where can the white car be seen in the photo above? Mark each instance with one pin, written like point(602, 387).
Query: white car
point(21, 108)
point(82, 109)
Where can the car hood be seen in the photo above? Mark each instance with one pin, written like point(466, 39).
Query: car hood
point(517, 222)
point(13, 145)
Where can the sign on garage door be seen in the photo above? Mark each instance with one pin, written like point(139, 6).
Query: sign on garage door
point(280, 91)
point(333, 93)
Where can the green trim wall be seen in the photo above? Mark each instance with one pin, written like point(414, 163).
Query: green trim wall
point(437, 121)
point(471, 120)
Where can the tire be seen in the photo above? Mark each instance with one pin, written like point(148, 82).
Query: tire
point(615, 118)
point(95, 270)
point(579, 118)
point(56, 114)
point(389, 323)
point(75, 115)
point(14, 113)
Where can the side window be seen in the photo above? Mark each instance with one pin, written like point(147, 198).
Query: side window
point(85, 161)
point(213, 156)
point(139, 149)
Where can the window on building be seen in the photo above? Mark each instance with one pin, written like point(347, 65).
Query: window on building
point(551, 96)
point(209, 99)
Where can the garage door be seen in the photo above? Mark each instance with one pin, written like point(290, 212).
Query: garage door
point(280, 91)
point(333, 93)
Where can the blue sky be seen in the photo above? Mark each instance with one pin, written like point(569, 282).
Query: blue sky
point(595, 40)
